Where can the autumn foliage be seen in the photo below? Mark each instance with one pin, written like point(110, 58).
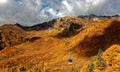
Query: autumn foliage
point(11, 35)
point(93, 45)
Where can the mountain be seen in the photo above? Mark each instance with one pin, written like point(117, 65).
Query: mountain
point(40, 26)
point(11, 35)
point(92, 43)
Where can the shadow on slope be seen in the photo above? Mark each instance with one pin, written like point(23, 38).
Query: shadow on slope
point(32, 39)
point(110, 37)
point(67, 26)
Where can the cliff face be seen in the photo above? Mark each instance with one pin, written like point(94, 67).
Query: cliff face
point(93, 46)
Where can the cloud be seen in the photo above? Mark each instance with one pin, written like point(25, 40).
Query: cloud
point(30, 12)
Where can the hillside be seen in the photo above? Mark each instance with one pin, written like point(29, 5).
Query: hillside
point(91, 43)
point(11, 35)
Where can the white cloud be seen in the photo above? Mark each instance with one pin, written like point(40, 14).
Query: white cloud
point(67, 5)
point(3, 1)
point(51, 11)
point(60, 14)
point(30, 12)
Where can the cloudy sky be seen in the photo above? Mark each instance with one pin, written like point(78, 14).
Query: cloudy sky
point(30, 12)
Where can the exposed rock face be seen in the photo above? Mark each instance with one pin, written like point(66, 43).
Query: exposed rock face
point(67, 26)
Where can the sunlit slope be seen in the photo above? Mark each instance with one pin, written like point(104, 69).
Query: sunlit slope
point(50, 49)
point(98, 36)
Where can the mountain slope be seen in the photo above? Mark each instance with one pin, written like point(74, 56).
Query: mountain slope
point(11, 35)
point(50, 53)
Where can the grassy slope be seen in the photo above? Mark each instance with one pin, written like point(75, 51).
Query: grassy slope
point(51, 53)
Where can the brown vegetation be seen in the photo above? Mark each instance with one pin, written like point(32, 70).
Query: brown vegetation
point(100, 36)
point(67, 26)
point(94, 47)
point(11, 35)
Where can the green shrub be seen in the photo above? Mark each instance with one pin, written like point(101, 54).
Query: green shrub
point(22, 69)
point(90, 68)
point(100, 62)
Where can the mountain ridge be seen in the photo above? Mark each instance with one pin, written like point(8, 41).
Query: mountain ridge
point(48, 50)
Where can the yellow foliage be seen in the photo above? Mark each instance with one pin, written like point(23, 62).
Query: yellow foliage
point(112, 57)
point(97, 70)
point(83, 69)
point(50, 54)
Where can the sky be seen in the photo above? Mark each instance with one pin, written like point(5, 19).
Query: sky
point(31, 12)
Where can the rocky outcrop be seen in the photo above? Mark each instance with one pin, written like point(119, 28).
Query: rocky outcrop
point(67, 26)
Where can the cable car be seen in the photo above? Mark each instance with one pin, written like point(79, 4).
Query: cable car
point(69, 60)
